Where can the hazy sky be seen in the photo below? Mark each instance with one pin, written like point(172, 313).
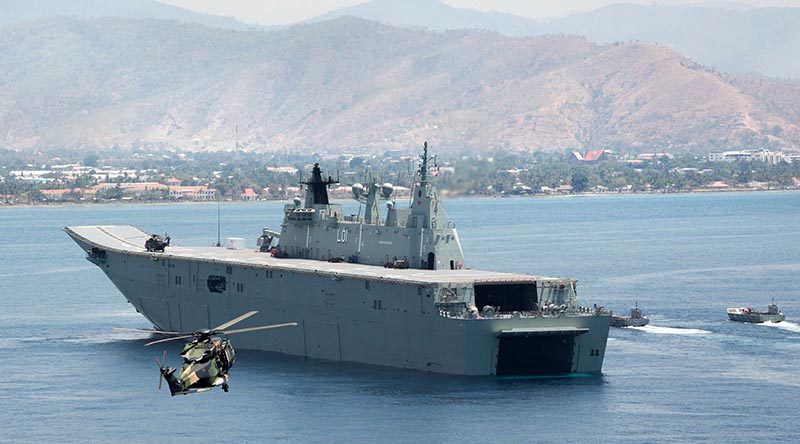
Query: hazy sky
point(290, 11)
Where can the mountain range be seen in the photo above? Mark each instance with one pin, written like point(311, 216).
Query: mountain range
point(14, 12)
point(730, 37)
point(349, 82)
point(727, 36)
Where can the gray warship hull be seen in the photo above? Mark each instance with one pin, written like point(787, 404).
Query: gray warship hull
point(351, 312)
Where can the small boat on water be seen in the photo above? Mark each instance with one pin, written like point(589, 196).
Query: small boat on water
point(636, 319)
point(746, 314)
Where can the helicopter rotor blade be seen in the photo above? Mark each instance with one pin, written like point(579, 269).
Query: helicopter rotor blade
point(142, 330)
point(160, 363)
point(234, 321)
point(174, 338)
point(263, 327)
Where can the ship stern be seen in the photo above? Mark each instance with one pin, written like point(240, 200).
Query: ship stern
point(536, 346)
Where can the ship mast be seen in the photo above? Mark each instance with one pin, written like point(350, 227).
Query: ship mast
point(424, 200)
point(423, 169)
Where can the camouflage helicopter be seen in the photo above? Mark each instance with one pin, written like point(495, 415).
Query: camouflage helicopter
point(207, 358)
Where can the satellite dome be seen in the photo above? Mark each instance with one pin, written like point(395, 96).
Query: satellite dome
point(358, 190)
point(387, 190)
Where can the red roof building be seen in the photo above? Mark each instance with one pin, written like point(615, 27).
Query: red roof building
point(590, 156)
point(248, 194)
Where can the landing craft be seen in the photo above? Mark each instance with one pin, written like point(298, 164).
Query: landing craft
point(747, 314)
point(207, 358)
point(386, 286)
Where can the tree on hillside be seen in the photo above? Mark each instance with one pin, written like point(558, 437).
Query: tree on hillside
point(580, 181)
point(90, 160)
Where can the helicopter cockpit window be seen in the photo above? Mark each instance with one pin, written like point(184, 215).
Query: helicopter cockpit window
point(217, 284)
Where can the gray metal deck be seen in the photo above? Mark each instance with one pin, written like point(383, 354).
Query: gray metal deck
point(129, 239)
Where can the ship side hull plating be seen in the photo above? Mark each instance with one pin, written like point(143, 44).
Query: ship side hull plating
point(385, 323)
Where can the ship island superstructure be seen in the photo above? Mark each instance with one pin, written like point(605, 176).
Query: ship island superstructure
point(390, 290)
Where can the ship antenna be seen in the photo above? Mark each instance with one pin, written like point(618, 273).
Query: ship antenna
point(423, 169)
point(219, 223)
point(413, 186)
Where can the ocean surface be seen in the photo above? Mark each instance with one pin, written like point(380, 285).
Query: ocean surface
point(691, 376)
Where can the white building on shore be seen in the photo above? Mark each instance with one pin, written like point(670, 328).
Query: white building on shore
point(763, 155)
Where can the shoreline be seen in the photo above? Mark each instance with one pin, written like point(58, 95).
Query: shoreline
point(444, 195)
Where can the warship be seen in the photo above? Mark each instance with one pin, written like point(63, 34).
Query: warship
point(387, 289)
point(746, 314)
point(636, 319)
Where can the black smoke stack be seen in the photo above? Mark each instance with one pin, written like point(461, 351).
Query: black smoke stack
point(319, 187)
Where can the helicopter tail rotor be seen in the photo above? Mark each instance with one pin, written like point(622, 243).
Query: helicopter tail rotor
point(161, 369)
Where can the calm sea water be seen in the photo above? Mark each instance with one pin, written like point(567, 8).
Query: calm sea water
point(692, 376)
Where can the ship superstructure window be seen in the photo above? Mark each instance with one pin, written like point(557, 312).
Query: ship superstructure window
point(240, 288)
point(217, 284)
point(178, 280)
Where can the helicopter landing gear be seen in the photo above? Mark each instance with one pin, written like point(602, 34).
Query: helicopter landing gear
point(225, 388)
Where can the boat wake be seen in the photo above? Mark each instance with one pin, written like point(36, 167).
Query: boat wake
point(788, 326)
point(671, 330)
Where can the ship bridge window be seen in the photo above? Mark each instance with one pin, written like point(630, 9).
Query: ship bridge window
point(217, 284)
point(508, 297)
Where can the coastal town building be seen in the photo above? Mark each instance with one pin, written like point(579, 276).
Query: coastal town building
point(283, 169)
point(193, 192)
point(591, 156)
point(59, 195)
point(248, 194)
point(132, 189)
point(654, 156)
point(763, 155)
